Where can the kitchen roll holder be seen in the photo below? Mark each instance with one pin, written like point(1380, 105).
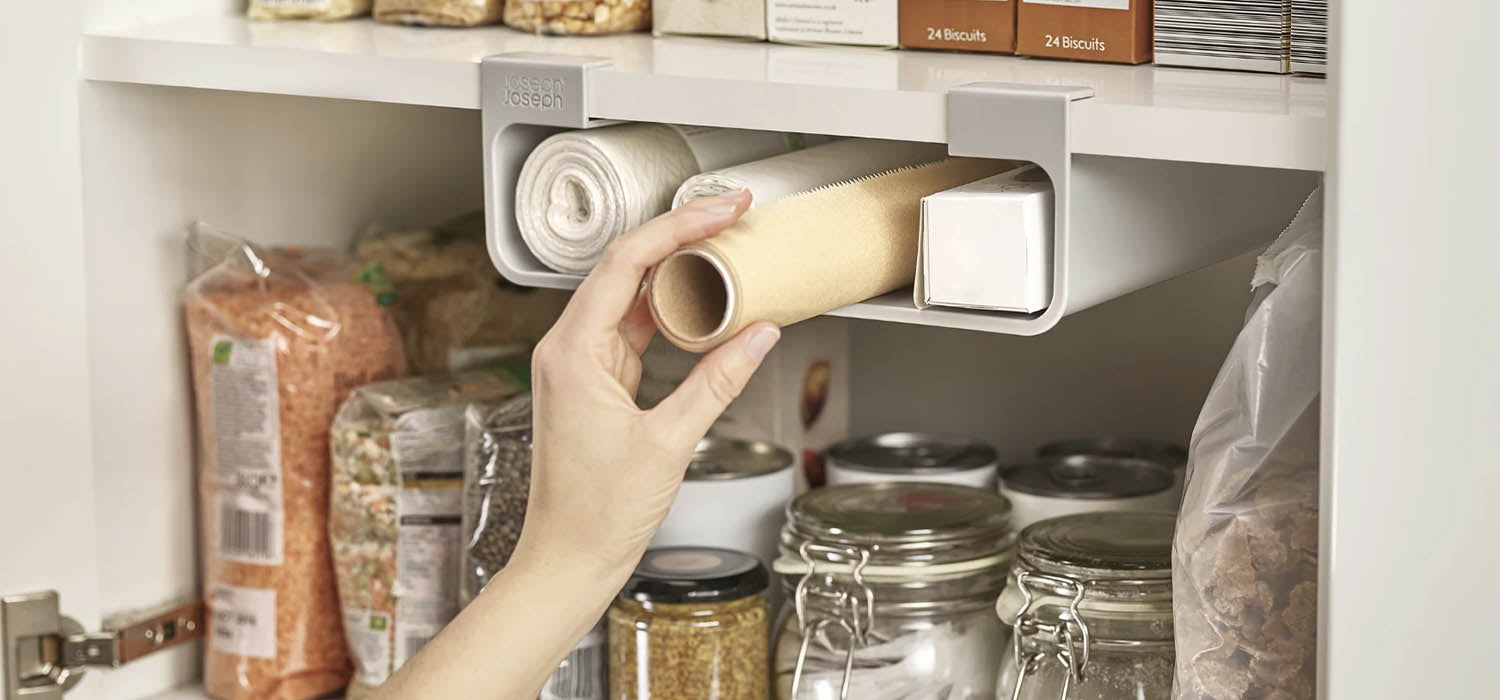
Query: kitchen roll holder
point(1144, 220)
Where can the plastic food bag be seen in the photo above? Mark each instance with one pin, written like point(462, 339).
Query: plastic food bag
point(453, 308)
point(444, 13)
point(395, 512)
point(278, 339)
point(578, 16)
point(307, 9)
point(497, 485)
point(1245, 557)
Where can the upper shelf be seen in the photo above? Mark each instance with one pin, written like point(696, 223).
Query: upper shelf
point(1137, 111)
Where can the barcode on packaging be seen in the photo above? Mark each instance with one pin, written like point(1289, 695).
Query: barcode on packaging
point(246, 451)
point(248, 535)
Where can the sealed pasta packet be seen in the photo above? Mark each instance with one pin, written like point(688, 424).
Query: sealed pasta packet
point(441, 13)
point(308, 9)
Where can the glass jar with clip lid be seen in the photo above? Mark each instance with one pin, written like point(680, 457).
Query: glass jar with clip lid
point(891, 586)
point(1090, 609)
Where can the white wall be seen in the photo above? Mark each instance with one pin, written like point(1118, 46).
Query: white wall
point(1412, 355)
point(46, 497)
point(1138, 366)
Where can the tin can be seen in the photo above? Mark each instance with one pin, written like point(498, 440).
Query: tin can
point(929, 457)
point(733, 496)
point(1086, 484)
point(1167, 454)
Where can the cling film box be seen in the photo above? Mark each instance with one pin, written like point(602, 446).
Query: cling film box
point(961, 25)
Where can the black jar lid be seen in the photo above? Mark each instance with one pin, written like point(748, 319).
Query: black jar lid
point(695, 575)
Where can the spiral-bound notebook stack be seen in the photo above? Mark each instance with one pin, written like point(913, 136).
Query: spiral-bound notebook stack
point(1310, 36)
point(1253, 35)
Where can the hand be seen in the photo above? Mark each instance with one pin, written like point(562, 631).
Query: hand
point(604, 472)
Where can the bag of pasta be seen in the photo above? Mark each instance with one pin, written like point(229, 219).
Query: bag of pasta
point(277, 338)
point(439, 13)
point(453, 308)
point(308, 9)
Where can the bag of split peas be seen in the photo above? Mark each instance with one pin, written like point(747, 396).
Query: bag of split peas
point(568, 17)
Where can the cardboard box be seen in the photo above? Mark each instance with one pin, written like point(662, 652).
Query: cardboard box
point(988, 244)
point(961, 25)
point(732, 18)
point(1110, 31)
point(854, 22)
point(799, 399)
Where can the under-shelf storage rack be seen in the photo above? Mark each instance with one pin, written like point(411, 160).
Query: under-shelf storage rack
point(1121, 223)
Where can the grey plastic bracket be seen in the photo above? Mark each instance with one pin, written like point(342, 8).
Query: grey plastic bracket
point(1031, 123)
point(524, 98)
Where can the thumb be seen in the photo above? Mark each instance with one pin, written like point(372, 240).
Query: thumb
point(720, 376)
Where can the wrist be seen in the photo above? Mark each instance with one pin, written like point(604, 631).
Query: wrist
point(575, 573)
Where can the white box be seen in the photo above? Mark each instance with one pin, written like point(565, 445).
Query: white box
point(799, 399)
point(988, 244)
point(731, 18)
point(857, 22)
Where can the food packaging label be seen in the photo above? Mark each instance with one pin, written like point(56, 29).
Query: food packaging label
point(988, 244)
point(243, 621)
point(858, 22)
point(961, 25)
point(247, 451)
point(369, 636)
point(1110, 31)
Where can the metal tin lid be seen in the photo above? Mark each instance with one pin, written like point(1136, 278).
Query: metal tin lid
point(913, 453)
point(695, 575)
point(721, 459)
point(1101, 546)
point(902, 523)
point(1165, 453)
point(1113, 565)
point(1088, 477)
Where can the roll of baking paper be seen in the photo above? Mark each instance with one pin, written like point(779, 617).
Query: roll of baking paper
point(792, 173)
point(802, 256)
point(579, 190)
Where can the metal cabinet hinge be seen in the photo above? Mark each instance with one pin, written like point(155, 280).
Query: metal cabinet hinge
point(47, 653)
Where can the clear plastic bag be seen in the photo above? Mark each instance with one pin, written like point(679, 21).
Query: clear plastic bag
point(453, 308)
point(497, 485)
point(1245, 559)
point(578, 16)
point(439, 13)
point(278, 338)
point(308, 9)
point(397, 494)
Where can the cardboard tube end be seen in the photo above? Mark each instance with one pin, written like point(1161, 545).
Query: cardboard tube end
point(693, 297)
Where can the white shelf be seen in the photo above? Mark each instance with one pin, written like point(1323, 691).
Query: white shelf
point(1137, 111)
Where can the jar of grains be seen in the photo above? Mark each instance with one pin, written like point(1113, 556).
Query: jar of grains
point(691, 623)
point(892, 586)
point(1090, 607)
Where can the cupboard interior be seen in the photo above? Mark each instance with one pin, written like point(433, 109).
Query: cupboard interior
point(313, 172)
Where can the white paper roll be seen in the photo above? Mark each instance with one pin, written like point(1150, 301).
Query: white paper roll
point(787, 174)
point(579, 190)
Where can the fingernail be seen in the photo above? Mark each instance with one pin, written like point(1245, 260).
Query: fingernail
point(760, 342)
point(727, 203)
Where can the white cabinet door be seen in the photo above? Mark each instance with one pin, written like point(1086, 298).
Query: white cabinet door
point(47, 528)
